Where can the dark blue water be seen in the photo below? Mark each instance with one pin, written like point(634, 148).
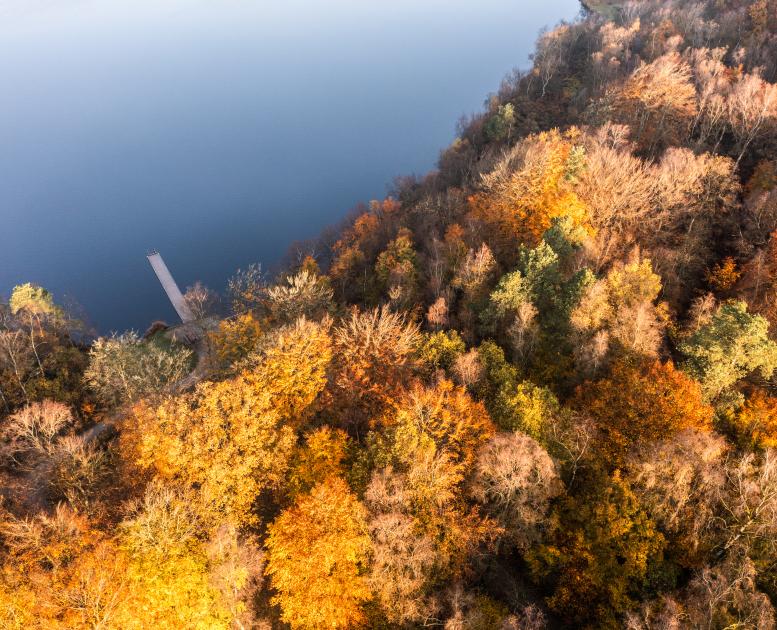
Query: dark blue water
point(218, 132)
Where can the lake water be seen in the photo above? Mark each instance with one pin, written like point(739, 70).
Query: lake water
point(218, 132)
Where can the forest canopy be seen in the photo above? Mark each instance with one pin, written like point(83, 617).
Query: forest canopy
point(535, 388)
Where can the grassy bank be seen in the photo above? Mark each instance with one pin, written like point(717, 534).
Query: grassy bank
point(608, 8)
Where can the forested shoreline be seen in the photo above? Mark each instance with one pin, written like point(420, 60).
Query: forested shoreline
point(535, 388)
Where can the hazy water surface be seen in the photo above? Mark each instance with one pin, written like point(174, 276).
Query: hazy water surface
point(220, 131)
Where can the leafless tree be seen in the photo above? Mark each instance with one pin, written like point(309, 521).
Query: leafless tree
point(515, 479)
point(404, 557)
point(615, 53)
point(524, 330)
point(125, 369)
point(679, 482)
point(701, 311)
point(749, 501)
point(402, 566)
point(34, 429)
point(659, 102)
point(477, 270)
point(15, 353)
point(720, 596)
point(76, 470)
point(468, 369)
point(437, 315)
point(552, 51)
point(727, 593)
point(752, 110)
point(236, 564)
point(569, 437)
point(200, 300)
point(619, 190)
point(302, 295)
point(530, 617)
point(246, 288)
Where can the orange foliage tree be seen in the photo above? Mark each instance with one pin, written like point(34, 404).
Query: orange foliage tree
point(430, 446)
point(755, 424)
point(58, 572)
point(724, 275)
point(639, 404)
point(358, 245)
point(317, 555)
point(529, 188)
point(373, 360)
point(320, 457)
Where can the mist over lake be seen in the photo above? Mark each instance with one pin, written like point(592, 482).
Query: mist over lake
point(221, 132)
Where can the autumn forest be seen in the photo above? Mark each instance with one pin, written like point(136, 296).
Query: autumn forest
point(534, 388)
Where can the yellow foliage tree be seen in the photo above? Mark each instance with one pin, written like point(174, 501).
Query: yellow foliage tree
point(619, 311)
point(292, 367)
point(235, 338)
point(225, 437)
point(321, 457)
point(444, 417)
point(233, 439)
point(174, 577)
point(317, 553)
point(162, 570)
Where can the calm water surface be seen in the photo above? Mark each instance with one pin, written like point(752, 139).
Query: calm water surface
point(218, 132)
